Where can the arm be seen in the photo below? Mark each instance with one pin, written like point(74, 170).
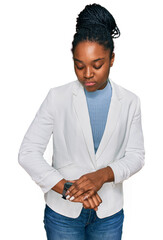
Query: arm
point(133, 159)
point(33, 146)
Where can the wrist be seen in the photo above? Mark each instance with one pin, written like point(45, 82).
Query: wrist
point(59, 186)
point(108, 174)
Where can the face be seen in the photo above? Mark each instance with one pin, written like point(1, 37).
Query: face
point(92, 65)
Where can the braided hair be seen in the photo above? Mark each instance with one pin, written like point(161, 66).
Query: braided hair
point(95, 23)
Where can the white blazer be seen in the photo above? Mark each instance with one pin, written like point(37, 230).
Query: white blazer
point(64, 114)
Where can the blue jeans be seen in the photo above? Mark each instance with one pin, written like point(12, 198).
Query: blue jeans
point(85, 227)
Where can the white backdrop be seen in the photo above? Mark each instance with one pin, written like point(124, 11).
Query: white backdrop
point(35, 55)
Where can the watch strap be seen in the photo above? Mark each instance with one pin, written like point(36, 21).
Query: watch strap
point(67, 185)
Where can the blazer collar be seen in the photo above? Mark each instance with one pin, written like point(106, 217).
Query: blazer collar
point(80, 105)
point(116, 92)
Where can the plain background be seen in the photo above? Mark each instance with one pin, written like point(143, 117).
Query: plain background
point(35, 55)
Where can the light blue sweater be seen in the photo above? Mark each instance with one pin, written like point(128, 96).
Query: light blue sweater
point(98, 103)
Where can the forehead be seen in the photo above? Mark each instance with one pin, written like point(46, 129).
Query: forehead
point(90, 50)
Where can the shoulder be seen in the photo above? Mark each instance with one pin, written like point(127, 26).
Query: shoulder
point(61, 94)
point(62, 88)
point(124, 93)
point(129, 99)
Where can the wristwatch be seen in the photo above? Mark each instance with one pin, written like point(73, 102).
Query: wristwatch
point(67, 185)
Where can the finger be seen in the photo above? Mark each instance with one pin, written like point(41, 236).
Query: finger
point(86, 204)
point(98, 197)
point(75, 186)
point(96, 200)
point(79, 187)
point(79, 199)
point(85, 190)
point(78, 190)
point(96, 208)
point(92, 203)
point(73, 181)
point(89, 194)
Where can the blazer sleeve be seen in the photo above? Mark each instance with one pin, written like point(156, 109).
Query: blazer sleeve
point(133, 160)
point(33, 146)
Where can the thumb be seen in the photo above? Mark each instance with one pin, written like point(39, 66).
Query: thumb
point(71, 181)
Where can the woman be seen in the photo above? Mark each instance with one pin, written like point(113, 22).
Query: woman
point(97, 139)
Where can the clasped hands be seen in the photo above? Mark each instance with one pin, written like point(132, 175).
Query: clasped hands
point(85, 189)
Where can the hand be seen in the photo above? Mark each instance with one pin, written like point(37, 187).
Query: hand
point(87, 185)
point(91, 203)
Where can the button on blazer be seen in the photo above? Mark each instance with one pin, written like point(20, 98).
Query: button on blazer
point(64, 114)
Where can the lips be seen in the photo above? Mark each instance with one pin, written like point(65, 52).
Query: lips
point(89, 83)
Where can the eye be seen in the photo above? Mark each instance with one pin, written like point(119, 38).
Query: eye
point(98, 67)
point(80, 68)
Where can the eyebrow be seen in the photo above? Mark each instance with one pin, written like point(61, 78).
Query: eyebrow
point(75, 59)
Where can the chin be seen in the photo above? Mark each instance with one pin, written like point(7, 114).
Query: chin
point(90, 89)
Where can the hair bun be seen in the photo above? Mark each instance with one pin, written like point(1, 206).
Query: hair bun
point(98, 15)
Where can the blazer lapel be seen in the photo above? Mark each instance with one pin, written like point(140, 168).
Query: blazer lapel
point(80, 105)
point(112, 118)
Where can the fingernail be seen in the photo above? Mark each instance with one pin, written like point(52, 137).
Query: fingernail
point(67, 196)
point(85, 197)
point(72, 198)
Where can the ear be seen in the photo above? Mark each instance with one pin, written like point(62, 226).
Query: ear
point(112, 59)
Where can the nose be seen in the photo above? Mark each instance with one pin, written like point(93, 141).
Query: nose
point(88, 73)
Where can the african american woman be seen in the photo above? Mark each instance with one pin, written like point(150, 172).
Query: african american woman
point(97, 139)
